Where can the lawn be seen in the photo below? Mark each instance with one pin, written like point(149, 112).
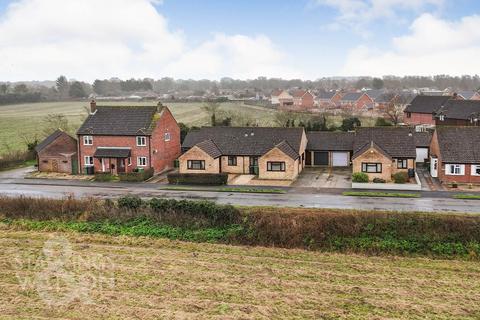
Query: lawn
point(467, 196)
point(123, 277)
point(26, 120)
point(380, 194)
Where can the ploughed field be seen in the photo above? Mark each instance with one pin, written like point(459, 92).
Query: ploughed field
point(25, 120)
point(86, 276)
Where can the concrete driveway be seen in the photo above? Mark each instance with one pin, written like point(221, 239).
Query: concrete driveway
point(324, 178)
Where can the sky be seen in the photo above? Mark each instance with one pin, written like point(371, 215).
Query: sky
point(242, 39)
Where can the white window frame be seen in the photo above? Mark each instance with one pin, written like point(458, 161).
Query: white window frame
point(139, 161)
point(87, 140)
point(167, 136)
point(455, 166)
point(474, 169)
point(141, 141)
point(88, 163)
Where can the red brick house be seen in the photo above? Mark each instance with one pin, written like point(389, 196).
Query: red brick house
point(421, 109)
point(328, 99)
point(57, 153)
point(356, 101)
point(121, 139)
point(455, 154)
point(303, 99)
point(457, 112)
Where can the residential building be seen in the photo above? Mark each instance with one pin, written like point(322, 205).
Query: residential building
point(356, 101)
point(124, 138)
point(381, 152)
point(269, 153)
point(303, 99)
point(422, 145)
point(274, 96)
point(468, 95)
point(421, 109)
point(328, 99)
point(457, 112)
point(455, 154)
point(326, 148)
point(57, 153)
point(285, 99)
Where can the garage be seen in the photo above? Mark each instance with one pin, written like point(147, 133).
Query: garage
point(320, 158)
point(340, 159)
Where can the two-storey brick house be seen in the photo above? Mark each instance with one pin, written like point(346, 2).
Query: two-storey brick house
point(119, 139)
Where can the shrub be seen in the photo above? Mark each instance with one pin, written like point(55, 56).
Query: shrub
point(104, 176)
point(137, 176)
point(360, 177)
point(15, 158)
point(454, 184)
point(400, 177)
point(379, 180)
point(198, 178)
point(130, 202)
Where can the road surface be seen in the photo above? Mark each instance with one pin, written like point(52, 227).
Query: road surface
point(309, 199)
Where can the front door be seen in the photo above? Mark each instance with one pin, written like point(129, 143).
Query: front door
point(55, 165)
point(434, 167)
point(121, 165)
point(253, 165)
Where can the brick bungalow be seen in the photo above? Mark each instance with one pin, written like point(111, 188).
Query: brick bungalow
point(381, 152)
point(356, 101)
point(421, 109)
point(303, 99)
point(455, 154)
point(269, 153)
point(331, 149)
point(57, 153)
point(121, 139)
point(458, 113)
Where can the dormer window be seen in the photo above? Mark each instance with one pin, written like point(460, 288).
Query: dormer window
point(441, 117)
point(141, 141)
point(87, 140)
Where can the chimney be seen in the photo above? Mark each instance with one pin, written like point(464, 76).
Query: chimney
point(93, 106)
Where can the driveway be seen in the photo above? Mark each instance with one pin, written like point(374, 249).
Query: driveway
point(324, 178)
point(18, 173)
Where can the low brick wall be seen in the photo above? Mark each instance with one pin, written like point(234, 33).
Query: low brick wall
point(390, 186)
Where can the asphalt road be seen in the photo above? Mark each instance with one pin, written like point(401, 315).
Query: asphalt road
point(310, 199)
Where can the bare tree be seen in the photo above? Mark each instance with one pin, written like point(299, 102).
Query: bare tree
point(212, 108)
point(54, 121)
point(394, 111)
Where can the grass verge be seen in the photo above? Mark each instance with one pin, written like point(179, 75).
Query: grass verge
point(467, 196)
point(381, 194)
point(239, 190)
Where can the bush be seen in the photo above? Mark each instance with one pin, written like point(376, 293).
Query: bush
point(130, 202)
point(379, 180)
point(198, 178)
point(104, 176)
point(360, 177)
point(137, 176)
point(15, 158)
point(400, 177)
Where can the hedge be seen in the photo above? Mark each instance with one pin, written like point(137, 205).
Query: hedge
point(136, 176)
point(198, 178)
point(104, 176)
point(360, 177)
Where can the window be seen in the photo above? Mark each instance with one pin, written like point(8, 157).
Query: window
point(442, 117)
point(455, 169)
point(142, 161)
point(141, 141)
point(232, 161)
point(275, 166)
point(88, 161)
point(402, 163)
point(167, 136)
point(371, 167)
point(475, 170)
point(196, 164)
point(409, 114)
point(87, 140)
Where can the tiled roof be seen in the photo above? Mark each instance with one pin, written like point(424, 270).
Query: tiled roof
point(466, 94)
point(326, 95)
point(352, 96)
point(426, 104)
point(287, 149)
point(210, 148)
point(276, 92)
point(248, 141)
point(459, 144)
point(422, 139)
point(120, 121)
point(460, 109)
point(112, 153)
point(332, 141)
point(369, 145)
point(42, 145)
point(298, 93)
point(396, 142)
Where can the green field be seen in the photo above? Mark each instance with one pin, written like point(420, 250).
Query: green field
point(26, 120)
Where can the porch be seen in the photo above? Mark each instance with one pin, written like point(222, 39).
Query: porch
point(112, 160)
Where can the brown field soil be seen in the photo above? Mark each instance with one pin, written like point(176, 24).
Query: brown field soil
point(149, 278)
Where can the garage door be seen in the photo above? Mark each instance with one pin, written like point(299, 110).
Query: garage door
point(340, 159)
point(320, 158)
point(422, 154)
